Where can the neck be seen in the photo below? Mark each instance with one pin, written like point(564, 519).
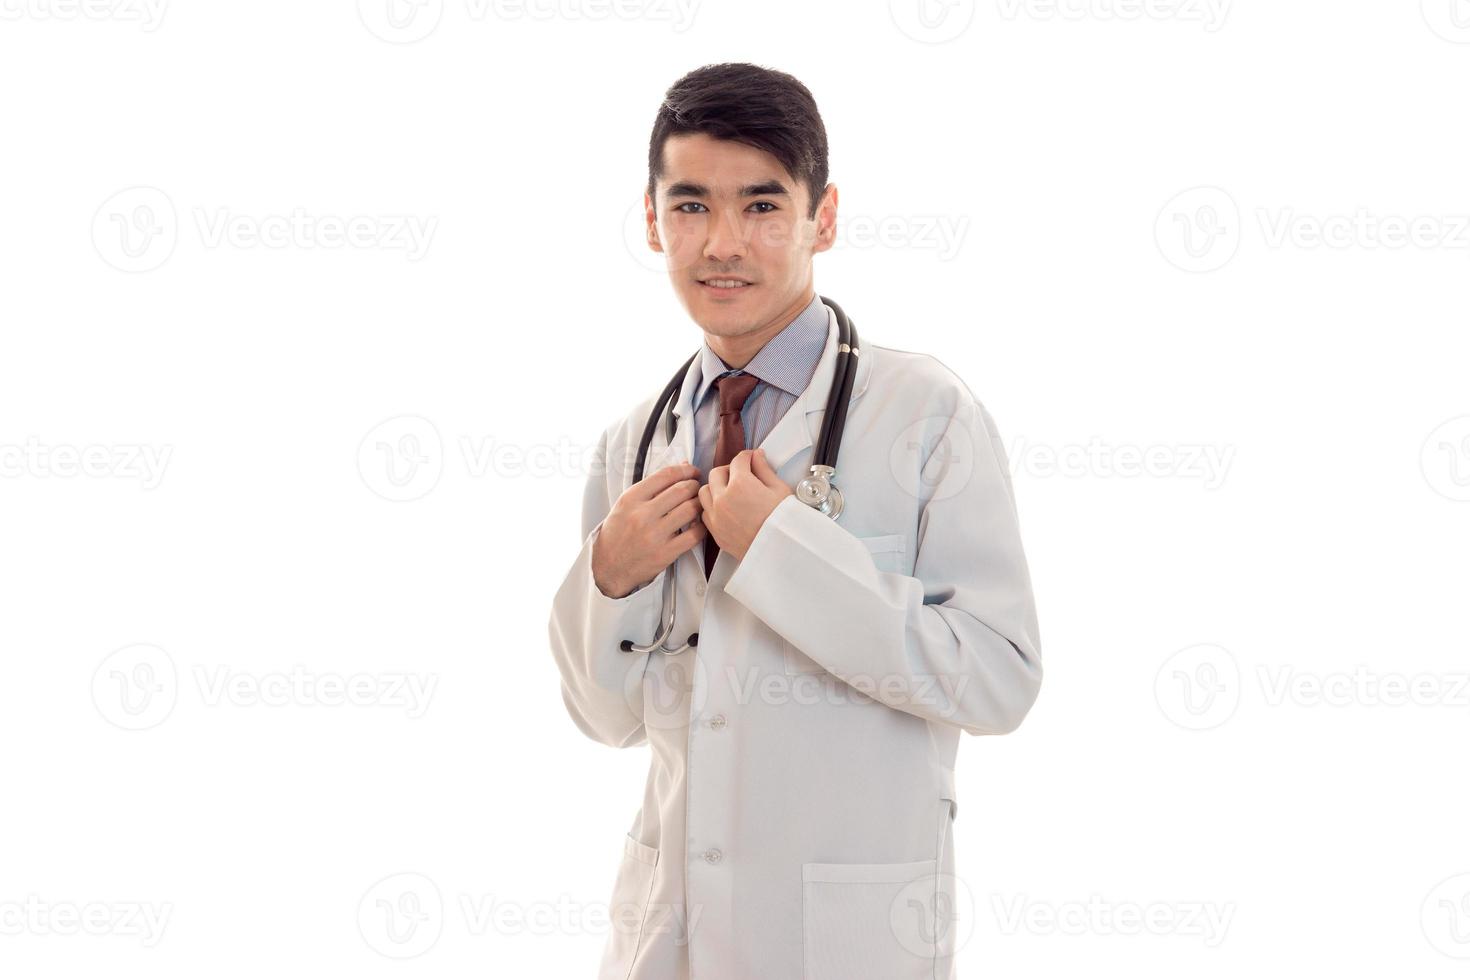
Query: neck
point(737, 351)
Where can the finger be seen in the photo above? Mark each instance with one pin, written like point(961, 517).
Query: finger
point(719, 478)
point(674, 495)
point(679, 516)
point(683, 542)
point(655, 483)
point(706, 496)
point(741, 463)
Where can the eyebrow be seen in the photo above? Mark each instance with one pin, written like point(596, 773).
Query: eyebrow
point(766, 188)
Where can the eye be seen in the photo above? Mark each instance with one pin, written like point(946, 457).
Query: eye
point(688, 204)
point(765, 204)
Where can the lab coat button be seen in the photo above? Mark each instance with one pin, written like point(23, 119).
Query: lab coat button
point(713, 855)
point(717, 722)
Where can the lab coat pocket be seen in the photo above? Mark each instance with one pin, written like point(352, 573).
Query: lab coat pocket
point(628, 909)
point(887, 551)
point(868, 920)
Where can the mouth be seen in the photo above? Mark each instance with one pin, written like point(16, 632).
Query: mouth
point(721, 286)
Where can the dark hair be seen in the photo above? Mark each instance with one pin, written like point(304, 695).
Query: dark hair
point(760, 107)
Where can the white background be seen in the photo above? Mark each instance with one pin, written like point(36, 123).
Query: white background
point(1161, 232)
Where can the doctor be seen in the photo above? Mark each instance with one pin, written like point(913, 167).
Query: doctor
point(797, 822)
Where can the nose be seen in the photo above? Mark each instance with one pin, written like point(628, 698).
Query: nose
point(726, 240)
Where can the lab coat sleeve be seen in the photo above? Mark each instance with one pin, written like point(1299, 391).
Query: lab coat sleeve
point(956, 642)
point(601, 686)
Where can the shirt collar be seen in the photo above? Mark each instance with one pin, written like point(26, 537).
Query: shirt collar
point(787, 361)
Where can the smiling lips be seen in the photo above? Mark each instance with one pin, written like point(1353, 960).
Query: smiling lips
point(725, 285)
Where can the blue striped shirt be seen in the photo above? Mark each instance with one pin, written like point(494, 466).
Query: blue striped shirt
point(785, 366)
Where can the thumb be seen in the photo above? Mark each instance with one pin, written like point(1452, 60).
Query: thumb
point(762, 468)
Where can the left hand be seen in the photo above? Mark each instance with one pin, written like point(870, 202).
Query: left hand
point(738, 498)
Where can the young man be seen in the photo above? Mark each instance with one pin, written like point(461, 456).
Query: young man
point(797, 820)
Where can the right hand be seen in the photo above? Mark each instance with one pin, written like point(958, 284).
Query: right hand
point(646, 529)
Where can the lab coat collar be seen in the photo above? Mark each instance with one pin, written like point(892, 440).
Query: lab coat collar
point(786, 361)
point(795, 430)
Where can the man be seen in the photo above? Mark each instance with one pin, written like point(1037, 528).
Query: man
point(797, 820)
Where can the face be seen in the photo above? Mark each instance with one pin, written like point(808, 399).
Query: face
point(730, 212)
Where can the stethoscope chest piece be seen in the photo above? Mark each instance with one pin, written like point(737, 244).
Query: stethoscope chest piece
point(817, 491)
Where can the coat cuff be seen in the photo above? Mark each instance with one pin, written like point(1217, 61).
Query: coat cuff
point(796, 547)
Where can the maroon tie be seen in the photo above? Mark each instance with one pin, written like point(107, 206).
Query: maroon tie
point(734, 390)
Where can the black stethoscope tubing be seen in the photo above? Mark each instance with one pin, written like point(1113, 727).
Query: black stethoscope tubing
point(833, 419)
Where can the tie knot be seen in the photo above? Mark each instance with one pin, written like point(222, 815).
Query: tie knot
point(734, 390)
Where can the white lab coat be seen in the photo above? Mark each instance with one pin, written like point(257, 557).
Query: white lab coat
point(797, 817)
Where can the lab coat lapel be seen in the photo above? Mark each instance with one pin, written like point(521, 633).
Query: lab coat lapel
point(793, 432)
point(681, 450)
point(797, 429)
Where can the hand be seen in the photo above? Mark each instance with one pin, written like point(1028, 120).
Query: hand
point(738, 499)
point(652, 523)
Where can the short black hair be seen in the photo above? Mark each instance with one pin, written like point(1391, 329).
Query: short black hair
point(760, 107)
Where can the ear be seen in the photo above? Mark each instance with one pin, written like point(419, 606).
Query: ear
point(826, 219)
point(651, 219)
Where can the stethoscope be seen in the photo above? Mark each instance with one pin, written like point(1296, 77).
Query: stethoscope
point(815, 489)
